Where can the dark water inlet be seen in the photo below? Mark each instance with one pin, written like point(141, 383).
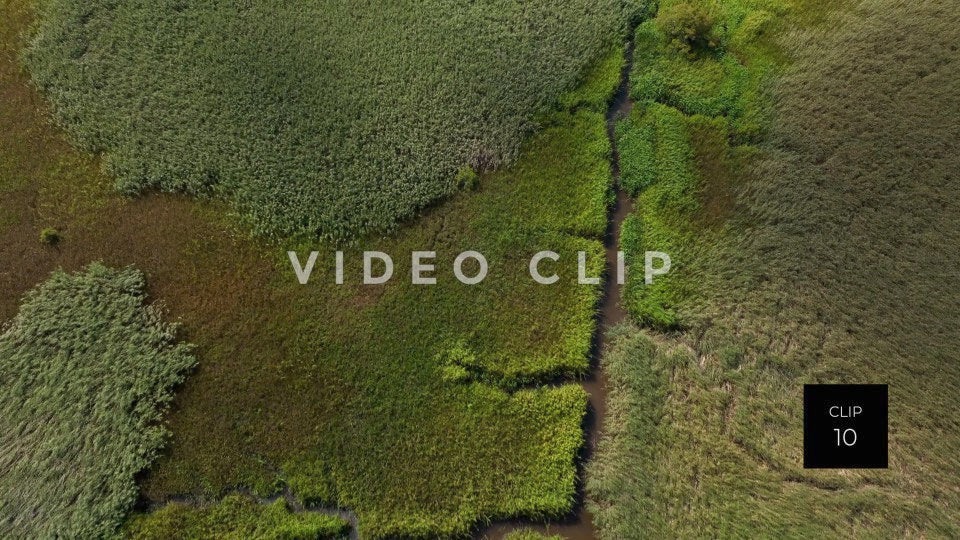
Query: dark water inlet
point(579, 524)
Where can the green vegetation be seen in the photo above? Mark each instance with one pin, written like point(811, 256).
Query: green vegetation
point(726, 81)
point(50, 236)
point(322, 116)
point(599, 84)
point(798, 167)
point(624, 473)
point(654, 143)
point(693, 118)
point(236, 517)
point(85, 372)
point(823, 250)
point(468, 178)
point(351, 394)
point(415, 407)
point(689, 27)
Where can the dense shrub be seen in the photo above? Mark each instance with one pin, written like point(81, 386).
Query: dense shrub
point(719, 84)
point(85, 370)
point(467, 178)
point(689, 27)
point(336, 117)
point(236, 517)
point(50, 236)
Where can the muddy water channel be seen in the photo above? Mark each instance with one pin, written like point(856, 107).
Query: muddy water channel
point(579, 524)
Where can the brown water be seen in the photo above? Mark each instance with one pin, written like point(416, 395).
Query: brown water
point(579, 524)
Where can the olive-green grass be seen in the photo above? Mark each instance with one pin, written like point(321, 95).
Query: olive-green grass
point(800, 167)
point(86, 370)
point(337, 118)
point(236, 517)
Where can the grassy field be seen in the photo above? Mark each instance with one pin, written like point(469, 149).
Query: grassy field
point(332, 117)
point(416, 407)
point(85, 371)
point(821, 247)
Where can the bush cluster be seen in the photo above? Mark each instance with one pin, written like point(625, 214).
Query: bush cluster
point(50, 236)
point(717, 84)
point(689, 27)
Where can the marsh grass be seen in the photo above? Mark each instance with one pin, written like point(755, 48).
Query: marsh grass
point(319, 117)
point(824, 252)
point(526, 534)
point(86, 370)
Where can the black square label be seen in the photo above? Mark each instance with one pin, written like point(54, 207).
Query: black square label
point(845, 426)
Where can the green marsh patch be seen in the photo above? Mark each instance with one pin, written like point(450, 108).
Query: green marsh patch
point(416, 407)
point(85, 372)
point(332, 117)
point(352, 395)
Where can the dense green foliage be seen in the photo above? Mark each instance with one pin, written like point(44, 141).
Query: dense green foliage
point(727, 81)
point(49, 236)
point(687, 109)
point(657, 161)
point(826, 253)
point(85, 370)
point(236, 517)
point(598, 85)
point(689, 27)
point(337, 117)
